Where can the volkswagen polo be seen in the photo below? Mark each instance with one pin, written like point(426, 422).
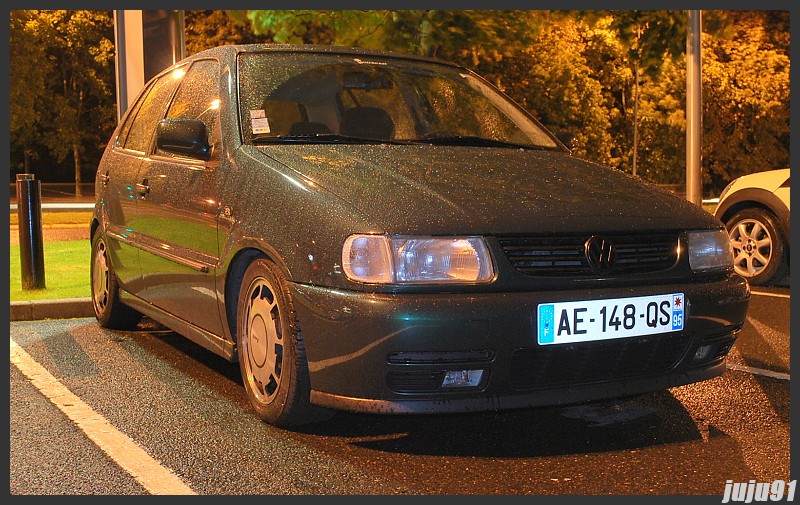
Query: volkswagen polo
point(377, 232)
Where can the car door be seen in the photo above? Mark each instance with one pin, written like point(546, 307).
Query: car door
point(178, 211)
point(118, 176)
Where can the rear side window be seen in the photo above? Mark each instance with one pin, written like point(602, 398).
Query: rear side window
point(151, 107)
point(126, 127)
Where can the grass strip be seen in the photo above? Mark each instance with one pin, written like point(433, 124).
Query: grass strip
point(66, 272)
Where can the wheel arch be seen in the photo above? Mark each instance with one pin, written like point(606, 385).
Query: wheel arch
point(234, 273)
point(760, 199)
point(93, 226)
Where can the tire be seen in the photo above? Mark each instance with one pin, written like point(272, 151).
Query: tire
point(270, 348)
point(758, 246)
point(108, 309)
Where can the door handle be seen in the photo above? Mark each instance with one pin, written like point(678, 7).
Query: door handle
point(104, 179)
point(143, 188)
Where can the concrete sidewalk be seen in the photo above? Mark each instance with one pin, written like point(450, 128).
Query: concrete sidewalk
point(66, 308)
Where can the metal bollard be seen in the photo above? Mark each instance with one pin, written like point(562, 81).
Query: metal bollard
point(31, 245)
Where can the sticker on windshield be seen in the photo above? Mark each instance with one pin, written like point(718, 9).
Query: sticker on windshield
point(258, 121)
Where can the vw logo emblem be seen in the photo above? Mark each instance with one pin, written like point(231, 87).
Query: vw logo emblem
point(600, 254)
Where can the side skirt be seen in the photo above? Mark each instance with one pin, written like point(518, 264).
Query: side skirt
point(199, 336)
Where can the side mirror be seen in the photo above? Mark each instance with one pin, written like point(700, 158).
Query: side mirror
point(187, 137)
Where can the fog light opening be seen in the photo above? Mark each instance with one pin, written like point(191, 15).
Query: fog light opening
point(462, 378)
point(702, 353)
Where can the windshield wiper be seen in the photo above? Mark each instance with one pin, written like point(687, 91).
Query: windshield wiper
point(471, 140)
point(322, 138)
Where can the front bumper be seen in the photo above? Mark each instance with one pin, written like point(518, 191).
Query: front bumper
point(388, 353)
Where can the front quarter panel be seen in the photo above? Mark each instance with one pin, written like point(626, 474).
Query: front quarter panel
point(299, 225)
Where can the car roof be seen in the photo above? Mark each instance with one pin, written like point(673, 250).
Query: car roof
point(232, 50)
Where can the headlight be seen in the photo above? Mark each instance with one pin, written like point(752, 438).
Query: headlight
point(709, 250)
point(416, 260)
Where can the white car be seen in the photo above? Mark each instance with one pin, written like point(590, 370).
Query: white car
point(755, 210)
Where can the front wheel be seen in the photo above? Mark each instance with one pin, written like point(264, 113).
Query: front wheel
point(758, 246)
point(272, 357)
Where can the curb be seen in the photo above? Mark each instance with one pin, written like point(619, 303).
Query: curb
point(66, 308)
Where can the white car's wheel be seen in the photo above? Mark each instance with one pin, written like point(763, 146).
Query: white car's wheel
point(758, 246)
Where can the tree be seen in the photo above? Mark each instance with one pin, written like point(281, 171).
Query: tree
point(80, 112)
point(746, 97)
point(207, 29)
point(422, 32)
point(339, 27)
point(648, 36)
point(662, 124)
point(27, 87)
point(553, 78)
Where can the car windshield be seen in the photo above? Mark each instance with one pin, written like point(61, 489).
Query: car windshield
point(338, 98)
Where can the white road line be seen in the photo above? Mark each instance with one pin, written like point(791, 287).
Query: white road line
point(758, 371)
point(154, 477)
point(764, 293)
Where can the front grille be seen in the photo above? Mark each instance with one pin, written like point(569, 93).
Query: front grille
point(554, 365)
point(564, 256)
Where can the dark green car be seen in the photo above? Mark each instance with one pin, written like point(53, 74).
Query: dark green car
point(383, 233)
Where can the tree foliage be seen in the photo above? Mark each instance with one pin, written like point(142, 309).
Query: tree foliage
point(554, 78)
point(207, 29)
point(422, 32)
point(745, 100)
point(73, 104)
point(575, 71)
point(27, 87)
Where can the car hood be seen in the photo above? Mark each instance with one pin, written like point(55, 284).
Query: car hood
point(769, 180)
point(425, 189)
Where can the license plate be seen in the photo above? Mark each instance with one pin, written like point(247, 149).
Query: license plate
point(591, 320)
